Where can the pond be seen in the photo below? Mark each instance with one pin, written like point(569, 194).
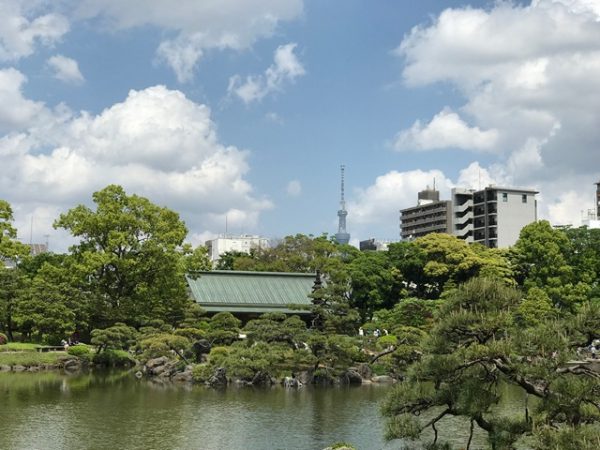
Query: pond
point(116, 411)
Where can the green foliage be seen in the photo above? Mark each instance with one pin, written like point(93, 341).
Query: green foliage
point(375, 282)
point(483, 336)
point(410, 312)
point(223, 328)
point(29, 359)
point(164, 344)
point(583, 437)
point(276, 327)
point(201, 373)
point(113, 358)
point(192, 334)
point(117, 337)
point(542, 257)
point(19, 347)
point(83, 352)
point(335, 352)
point(10, 248)
point(129, 257)
point(535, 308)
point(440, 262)
point(195, 259)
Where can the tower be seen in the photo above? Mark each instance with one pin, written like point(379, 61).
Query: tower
point(597, 200)
point(342, 236)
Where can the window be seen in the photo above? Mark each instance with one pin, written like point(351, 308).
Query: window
point(504, 197)
point(524, 198)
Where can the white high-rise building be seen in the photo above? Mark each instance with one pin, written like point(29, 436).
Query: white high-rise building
point(228, 243)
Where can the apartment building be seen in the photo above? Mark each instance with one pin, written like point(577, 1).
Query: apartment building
point(493, 216)
point(431, 215)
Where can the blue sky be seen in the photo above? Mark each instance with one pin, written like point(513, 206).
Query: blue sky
point(246, 108)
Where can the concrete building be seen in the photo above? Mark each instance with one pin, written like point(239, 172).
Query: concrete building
point(228, 243)
point(493, 216)
point(431, 215)
point(499, 214)
point(374, 245)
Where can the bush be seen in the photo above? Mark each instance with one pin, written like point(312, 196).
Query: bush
point(193, 334)
point(113, 358)
point(82, 352)
point(3, 339)
point(202, 372)
point(385, 341)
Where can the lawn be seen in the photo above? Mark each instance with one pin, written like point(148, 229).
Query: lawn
point(30, 358)
point(18, 347)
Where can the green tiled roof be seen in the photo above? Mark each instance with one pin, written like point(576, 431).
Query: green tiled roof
point(226, 290)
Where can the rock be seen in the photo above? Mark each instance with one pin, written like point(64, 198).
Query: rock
point(364, 370)
point(201, 347)
point(4, 368)
point(72, 365)
point(139, 374)
point(323, 379)
point(219, 378)
point(152, 363)
point(382, 379)
point(305, 377)
point(18, 368)
point(290, 382)
point(351, 377)
point(183, 377)
point(261, 379)
point(33, 369)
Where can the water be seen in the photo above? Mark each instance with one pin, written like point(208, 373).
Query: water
point(115, 411)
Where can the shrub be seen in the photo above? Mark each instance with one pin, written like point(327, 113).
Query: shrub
point(202, 372)
point(113, 358)
point(193, 334)
point(385, 341)
point(82, 352)
point(217, 355)
point(3, 339)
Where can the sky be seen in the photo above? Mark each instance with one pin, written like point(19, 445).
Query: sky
point(239, 113)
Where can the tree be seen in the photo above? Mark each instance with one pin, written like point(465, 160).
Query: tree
point(540, 259)
point(438, 262)
point(10, 248)
point(276, 327)
point(195, 259)
point(129, 256)
point(117, 337)
point(473, 348)
point(375, 283)
point(12, 285)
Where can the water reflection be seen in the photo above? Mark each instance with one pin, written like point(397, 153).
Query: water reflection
point(114, 410)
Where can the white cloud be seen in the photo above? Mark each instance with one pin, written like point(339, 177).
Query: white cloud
point(391, 192)
point(294, 188)
point(66, 69)
point(445, 130)
point(285, 68)
point(196, 26)
point(274, 118)
point(16, 112)
point(531, 73)
point(156, 143)
point(21, 29)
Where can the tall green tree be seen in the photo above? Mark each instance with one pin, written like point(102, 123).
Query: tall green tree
point(541, 260)
point(129, 254)
point(476, 346)
point(10, 248)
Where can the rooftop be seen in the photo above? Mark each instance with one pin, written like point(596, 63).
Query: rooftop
point(252, 292)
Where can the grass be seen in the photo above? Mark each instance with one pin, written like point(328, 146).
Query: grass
point(30, 358)
point(18, 347)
